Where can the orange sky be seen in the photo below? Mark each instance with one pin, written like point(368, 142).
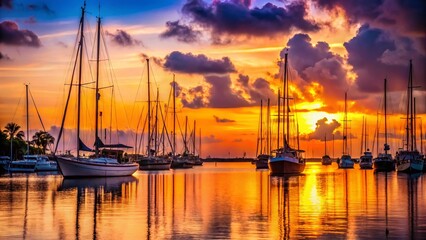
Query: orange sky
point(226, 131)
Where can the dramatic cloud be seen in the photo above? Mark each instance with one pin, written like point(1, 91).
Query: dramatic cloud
point(41, 7)
point(183, 33)
point(376, 54)
point(197, 64)
point(236, 18)
point(258, 90)
point(323, 73)
point(11, 34)
point(123, 39)
point(223, 120)
point(219, 92)
point(325, 129)
point(403, 16)
point(193, 98)
point(6, 4)
point(4, 57)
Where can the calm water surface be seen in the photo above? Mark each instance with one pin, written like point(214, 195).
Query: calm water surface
point(216, 201)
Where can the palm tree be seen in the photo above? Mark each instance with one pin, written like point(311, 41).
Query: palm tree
point(12, 130)
point(41, 139)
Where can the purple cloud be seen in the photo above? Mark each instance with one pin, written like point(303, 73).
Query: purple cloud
point(10, 34)
point(183, 33)
point(375, 54)
point(123, 39)
point(236, 18)
point(197, 64)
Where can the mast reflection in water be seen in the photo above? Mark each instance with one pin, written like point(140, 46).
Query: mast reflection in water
point(224, 200)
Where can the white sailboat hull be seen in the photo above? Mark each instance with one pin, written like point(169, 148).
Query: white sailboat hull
point(85, 168)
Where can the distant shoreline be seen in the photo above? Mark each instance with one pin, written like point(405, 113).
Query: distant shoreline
point(250, 159)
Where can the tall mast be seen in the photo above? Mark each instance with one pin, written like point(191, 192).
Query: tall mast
point(174, 115)
point(325, 144)
point(199, 148)
point(261, 124)
point(286, 100)
point(149, 113)
point(279, 116)
point(415, 126)
point(362, 135)
point(386, 127)
point(268, 127)
point(97, 87)
point(193, 139)
point(79, 77)
point(185, 140)
point(411, 106)
point(28, 121)
point(345, 130)
point(366, 135)
point(156, 145)
point(407, 128)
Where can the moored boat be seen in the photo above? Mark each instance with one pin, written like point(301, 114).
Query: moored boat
point(409, 160)
point(98, 166)
point(346, 160)
point(286, 160)
point(384, 161)
point(366, 160)
point(262, 161)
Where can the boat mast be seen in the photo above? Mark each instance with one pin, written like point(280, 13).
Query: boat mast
point(185, 139)
point(279, 116)
point(261, 124)
point(386, 127)
point(193, 139)
point(362, 135)
point(79, 77)
point(287, 99)
point(156, 144)
point(174, 115)
point(415, 126)
point(149, 113)
point(199, 148)
point(345, 130)
point(285, 96)
point(97, 88)
point(28, 121)
point(325, 144)
point(408, 127)
point(268, 127)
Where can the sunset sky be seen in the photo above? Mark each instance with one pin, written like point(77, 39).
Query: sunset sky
point(225, 56)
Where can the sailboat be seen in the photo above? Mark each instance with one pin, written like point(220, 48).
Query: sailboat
point(262, 158)
point(98, 166)
point(151, 161)
point(366, 160)
point(31, 163)
point(346, 160)
point(326, 160)
point(409, 160)
point(384, 161)
point(286, 160)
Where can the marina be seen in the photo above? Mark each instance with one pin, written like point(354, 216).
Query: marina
point(212, 119)
point(323, 202)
